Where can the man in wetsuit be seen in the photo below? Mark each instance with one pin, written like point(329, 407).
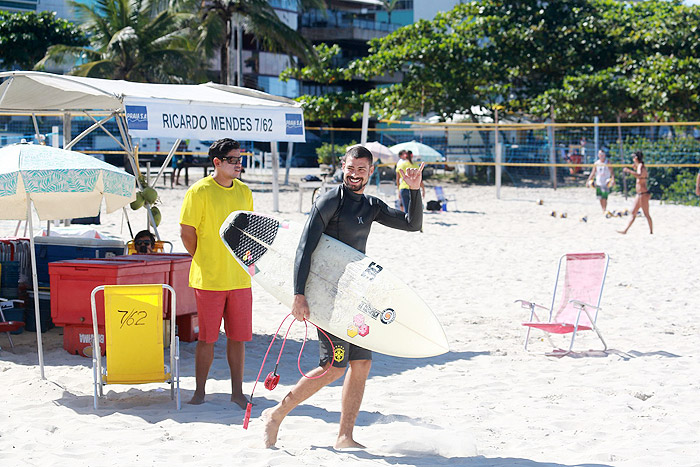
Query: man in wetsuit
point(346, 214)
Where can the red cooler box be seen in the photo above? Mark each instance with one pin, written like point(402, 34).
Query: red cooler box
point(179, 279)
point(72, 282)
point(77, 340)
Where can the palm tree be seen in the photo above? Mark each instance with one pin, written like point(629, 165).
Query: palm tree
point(389, 6)
point(133, 40)
point(256, 17)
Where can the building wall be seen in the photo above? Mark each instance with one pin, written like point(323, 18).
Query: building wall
point(428, 9)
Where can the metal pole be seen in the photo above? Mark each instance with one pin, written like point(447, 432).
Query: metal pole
point(497, 155)
point(365, 123)
point(552, 150)
point(275, 182)
point(35, 285)
point(596, 138)
point(288, 162)
point(239, 53)
point(499, 161)
point(622, 155)
point(66, 129)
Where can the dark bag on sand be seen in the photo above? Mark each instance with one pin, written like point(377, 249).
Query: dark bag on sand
point(434, 205)
point(310, 178)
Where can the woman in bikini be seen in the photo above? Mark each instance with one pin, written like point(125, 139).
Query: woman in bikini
point(643, 194)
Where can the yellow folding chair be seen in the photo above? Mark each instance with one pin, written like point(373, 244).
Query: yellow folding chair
point(159, 247)
point(134, 338)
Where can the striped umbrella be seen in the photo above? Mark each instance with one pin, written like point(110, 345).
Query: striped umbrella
point(60, 184)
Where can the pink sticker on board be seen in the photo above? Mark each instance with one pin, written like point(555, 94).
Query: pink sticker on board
point(363, 330)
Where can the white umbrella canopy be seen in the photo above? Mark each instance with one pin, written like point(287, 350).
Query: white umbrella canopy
point(421, 152)
point(60, 184)
point(379, 151)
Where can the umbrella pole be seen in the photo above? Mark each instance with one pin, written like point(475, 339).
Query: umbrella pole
point(35, 285)
point(131, 232)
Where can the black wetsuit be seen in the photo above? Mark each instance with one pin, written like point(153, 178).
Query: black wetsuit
point(348, 216)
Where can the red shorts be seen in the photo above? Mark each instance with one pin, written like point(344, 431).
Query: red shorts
point(235, 307)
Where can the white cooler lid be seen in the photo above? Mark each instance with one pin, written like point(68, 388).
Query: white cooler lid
point(80, 241)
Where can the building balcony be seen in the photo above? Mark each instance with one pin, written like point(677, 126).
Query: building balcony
point(339, 25)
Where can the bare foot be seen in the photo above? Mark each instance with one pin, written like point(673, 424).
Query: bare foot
point(197, 399)
point(272, 426)
point(344, 442)
point(240, 399)
point(622, 232)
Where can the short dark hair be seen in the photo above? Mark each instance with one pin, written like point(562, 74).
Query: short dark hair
point(640, 156)
point(359, 152)
point(222, 147)
point(144, 234)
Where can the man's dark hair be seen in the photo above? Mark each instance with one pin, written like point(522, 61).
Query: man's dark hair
point(359, 152)
point(145, 234)
point(222, 147)
point(140, 237)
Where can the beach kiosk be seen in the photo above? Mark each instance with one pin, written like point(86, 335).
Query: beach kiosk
point(204, 111)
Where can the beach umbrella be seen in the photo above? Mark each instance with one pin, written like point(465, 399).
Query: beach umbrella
point(59, 184)
point(421, 152)
point(379, 151)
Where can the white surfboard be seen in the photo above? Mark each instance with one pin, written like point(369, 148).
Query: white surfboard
point(350, 295)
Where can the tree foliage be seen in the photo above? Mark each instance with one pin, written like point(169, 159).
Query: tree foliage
point(256, 17)
point(635, 61)
point(24, 37)
point(134, 40)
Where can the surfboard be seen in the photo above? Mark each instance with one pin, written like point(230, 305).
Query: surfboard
point(350, 295)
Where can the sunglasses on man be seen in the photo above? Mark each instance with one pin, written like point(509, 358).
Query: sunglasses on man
point(231, 159)
point(143, 243)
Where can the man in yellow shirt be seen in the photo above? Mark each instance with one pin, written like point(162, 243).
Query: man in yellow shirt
point(222, 287)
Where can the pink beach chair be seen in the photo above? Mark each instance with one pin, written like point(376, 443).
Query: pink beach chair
point(584, 277)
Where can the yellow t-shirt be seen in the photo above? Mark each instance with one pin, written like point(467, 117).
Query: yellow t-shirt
point(405, 164)
point(205, 207)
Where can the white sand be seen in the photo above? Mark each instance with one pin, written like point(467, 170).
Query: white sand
point(487, 402)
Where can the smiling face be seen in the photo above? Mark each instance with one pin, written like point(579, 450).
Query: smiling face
point(356, 173)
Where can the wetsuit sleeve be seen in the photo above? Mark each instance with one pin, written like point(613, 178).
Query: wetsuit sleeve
point(320, 215)
point(412, 220)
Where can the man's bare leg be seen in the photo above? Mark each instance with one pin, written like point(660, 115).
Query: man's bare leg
point(203, 358)
point(304, 389)
point(235, 354)
point(353, 391)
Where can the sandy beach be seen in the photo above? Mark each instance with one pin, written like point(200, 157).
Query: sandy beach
point(487, 402)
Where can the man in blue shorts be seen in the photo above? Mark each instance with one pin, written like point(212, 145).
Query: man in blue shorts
point(346, 214)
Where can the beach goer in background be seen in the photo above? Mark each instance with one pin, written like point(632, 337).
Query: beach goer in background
point(603, 178)
point(144, 242)
point(643, 194)
point(222, 287)
point(346, 214)
point(179, 160)
point(697, 184)
point(405, 163)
